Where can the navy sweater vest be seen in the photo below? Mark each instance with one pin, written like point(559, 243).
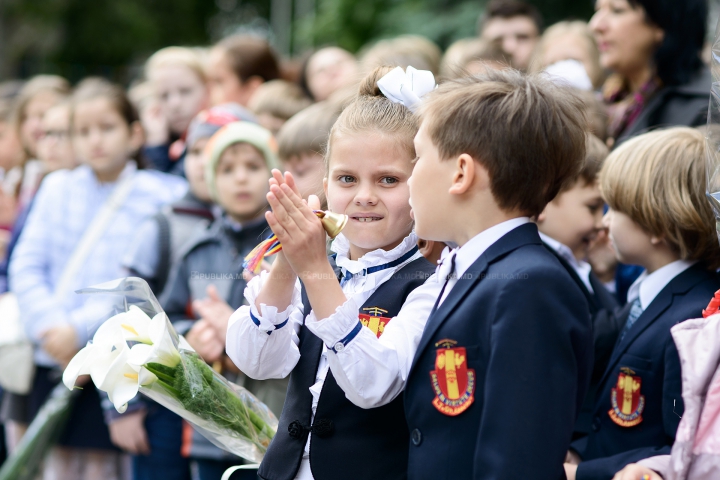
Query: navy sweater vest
point(347, 441)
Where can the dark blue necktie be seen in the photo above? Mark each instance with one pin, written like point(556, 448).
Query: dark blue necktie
point(635, 311)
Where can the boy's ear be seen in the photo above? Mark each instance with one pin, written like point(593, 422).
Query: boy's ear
point(541, 218)
point(467, 173)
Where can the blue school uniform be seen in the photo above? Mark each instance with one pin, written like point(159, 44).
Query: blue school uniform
point(639, 404)
point(503, 365)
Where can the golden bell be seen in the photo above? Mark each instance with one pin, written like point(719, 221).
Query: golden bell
point(333, 223)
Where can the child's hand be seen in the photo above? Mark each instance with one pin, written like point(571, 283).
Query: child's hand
point(636, 472)
point(297, 227)
point(215, 311)
point(601, 256)
point(60, 343)
point(570, 471)
point(204, 340)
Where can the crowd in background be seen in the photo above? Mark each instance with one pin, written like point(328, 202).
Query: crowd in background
point(192, 143)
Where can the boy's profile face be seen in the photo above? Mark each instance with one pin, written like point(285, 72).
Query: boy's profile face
point(242, 182)
point(631, 243)
point(195, 169)
point(574, 217)
point(429, 198)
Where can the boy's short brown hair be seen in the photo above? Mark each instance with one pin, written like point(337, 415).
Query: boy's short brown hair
point(526, 131)
point(595, 154)
point(279, 98)
point(307, 131)
point(658, 180)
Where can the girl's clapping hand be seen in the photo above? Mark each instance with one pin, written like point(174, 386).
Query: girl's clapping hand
point(299, 230)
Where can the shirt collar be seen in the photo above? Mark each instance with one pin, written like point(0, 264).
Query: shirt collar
point(341, 246)
point(648, 286)
point(476, 246)
point(582, 268)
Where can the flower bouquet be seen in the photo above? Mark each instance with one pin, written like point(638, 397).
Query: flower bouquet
point(138, 350)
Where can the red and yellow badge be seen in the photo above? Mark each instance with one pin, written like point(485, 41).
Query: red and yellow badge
point(374, 319)
point(452, 381)
point(625, 399)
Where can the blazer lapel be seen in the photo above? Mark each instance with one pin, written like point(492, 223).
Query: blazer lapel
point(588, 296)
point(679, 285)
point(522, 235)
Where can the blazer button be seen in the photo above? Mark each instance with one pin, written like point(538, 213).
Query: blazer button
point(416, 437)
point(596, 424)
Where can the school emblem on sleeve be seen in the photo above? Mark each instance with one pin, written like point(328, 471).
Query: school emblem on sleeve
point(452, 381)
point(625, 399)
point(374, 319)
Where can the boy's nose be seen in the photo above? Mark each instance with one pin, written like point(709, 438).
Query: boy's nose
point(606, 219)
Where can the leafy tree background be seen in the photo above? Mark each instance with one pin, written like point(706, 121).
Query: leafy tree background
point(112, 38)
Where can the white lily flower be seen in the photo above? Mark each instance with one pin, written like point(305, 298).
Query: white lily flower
point(135, 324)
point(97, 356)
point(122, 380)
point(161, 348)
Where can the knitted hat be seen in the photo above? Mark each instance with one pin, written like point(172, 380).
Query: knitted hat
point(209, 121)
point(238, 132)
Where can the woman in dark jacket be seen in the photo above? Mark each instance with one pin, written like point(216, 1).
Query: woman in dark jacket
point(652, 48)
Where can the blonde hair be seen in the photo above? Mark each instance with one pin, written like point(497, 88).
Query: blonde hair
point(279, 98)
point(371, 111)
point(37, 85)
point(582, 31)
point(176, 56)
point(658, 180)
point(403, 51)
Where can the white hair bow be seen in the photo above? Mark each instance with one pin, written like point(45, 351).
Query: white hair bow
point(407, 87)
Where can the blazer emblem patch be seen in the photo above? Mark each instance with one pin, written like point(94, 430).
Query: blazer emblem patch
point(374, 320)
point(452, 382)
point(626, 401)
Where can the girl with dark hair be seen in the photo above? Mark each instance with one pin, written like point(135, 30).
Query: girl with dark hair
point(653, 48)
point(81, 223)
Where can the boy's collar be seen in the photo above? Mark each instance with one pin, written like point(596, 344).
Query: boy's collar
point(648, 286)
point(476, 246)
point(236, 226)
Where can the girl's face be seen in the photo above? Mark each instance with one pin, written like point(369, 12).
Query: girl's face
point(625, 39)
point(182, 95)
point(54, 147)
point(242, 182)
point(31, 127)
point(368, 181)
point(225, 85)
point(102, 138)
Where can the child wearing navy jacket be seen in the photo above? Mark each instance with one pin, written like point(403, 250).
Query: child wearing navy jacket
point(659, 219)
point(503, 364)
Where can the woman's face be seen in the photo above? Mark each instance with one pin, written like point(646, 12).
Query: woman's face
point(625, 38)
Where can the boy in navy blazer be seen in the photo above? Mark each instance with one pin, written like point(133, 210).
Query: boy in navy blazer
point(568, 227)
point(505, 359)
point(658, 218)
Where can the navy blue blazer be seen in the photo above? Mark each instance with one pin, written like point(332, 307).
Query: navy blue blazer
point(501, 369)
point(639, 403)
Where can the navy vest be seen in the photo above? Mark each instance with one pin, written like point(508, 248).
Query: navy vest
point(348, 442)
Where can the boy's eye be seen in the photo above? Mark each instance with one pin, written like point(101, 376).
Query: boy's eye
point(346, 179)
point(389, 180)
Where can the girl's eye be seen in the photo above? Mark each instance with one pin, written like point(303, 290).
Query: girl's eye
point(107, 127)
point(253, 167)
point(346, 179)
point(389, 180)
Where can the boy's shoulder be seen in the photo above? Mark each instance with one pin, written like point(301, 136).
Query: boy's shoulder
point(171, 187)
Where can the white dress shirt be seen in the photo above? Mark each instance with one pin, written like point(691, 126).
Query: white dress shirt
point(581, 267)
point(466, 255)
point(367, 361)
point(647, 287)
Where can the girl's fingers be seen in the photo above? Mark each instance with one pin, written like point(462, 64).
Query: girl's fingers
point(313, 202)
point(285, 196)
point(290, 182)
point(275, 226)
point(281, 216)
point(298, 203)
point(277, 176)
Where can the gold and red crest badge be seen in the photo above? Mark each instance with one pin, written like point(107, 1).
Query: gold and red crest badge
point(374, 319)
point(452, 381)
point(625, 399)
